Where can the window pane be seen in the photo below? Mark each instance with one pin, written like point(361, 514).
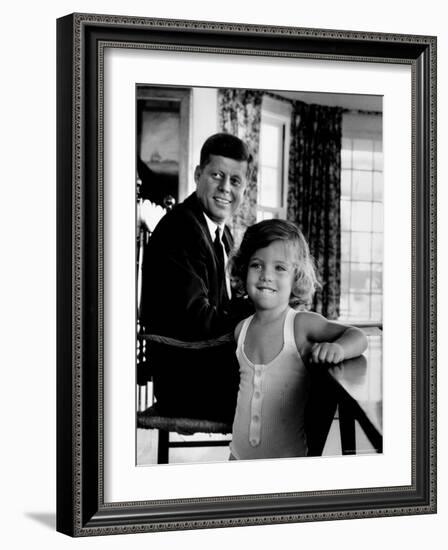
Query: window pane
point(343, 306)
point(378, 186)
point(377, 216)
point(359, 307)
point(377, 278)
point(264, 215)
point(270, 186)
point(346, 153)
point(378, 154)
point(345, 246)
point(362, 185)
point(377, 302)
point(345, 215)
point(361, 243)
point(363, 154)
point(271, 138)
point(361, 216)
point(345, 272)
point(360, 277)
point(377, 247)
point(346, 184)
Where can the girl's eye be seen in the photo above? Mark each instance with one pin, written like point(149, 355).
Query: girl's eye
point(281, 268)
point(254, 265)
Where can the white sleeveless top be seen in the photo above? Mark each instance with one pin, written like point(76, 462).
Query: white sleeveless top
point(269, 418)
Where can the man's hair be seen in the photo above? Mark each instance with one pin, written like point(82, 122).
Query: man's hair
point(224, 145)
point(263, 234)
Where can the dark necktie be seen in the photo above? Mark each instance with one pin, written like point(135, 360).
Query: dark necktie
point(219, 251)
point(217, 244)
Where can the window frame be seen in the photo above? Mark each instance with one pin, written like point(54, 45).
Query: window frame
point(278, 113)
point(363, 125)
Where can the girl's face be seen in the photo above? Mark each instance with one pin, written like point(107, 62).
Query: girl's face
point(270, 276)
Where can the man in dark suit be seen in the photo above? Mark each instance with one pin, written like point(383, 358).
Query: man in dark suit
point(186, 294)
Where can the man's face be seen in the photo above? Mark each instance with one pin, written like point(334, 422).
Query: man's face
point(220, 186)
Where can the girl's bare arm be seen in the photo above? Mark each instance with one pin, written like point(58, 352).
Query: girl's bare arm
point(326, 341)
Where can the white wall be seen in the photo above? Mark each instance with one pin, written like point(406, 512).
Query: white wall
point(204, 100)
point(27, 353)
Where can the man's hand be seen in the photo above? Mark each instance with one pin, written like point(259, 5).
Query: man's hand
point(327, 352)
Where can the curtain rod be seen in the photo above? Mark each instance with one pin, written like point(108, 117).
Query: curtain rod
point(344, 109)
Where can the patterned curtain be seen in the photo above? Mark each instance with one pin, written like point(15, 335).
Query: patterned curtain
point(314, 194)
point(240, 115)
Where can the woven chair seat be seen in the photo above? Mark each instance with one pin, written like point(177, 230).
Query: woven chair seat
point(152, 419)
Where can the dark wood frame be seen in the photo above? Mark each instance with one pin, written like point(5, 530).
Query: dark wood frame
point(81, 39)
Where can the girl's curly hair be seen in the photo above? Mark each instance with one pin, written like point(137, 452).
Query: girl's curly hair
point(261, 235)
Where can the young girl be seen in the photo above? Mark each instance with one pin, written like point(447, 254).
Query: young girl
point(274, 267)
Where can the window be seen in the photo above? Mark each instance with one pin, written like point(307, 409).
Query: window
point(361, 219)
point(273, 155)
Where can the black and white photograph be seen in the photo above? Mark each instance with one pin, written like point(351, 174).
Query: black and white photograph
point(246, 275)
point(224, 257)
point(259, 274)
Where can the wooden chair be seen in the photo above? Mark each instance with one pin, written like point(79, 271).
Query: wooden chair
point(151, 418)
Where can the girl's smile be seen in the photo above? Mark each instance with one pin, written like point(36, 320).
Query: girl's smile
point(270, 276)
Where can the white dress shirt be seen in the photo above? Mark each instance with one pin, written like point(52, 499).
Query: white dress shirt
point(212, 228)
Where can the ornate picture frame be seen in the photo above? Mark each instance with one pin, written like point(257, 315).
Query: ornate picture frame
point(81, 507)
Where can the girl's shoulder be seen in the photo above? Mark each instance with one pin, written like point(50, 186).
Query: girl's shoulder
point(305, 320)
point(238, 329)
point(305, 323)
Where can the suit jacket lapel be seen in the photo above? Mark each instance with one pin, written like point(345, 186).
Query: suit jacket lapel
point(193, 204)
point(198, 215)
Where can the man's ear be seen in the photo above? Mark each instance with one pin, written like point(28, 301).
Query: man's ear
point(197, 173)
